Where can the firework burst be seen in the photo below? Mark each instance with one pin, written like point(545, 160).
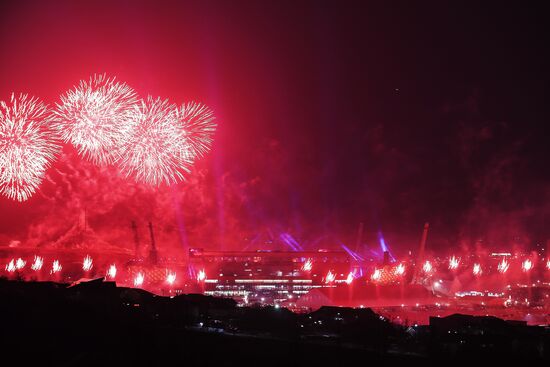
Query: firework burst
point(158, 150)
point(95, 117)
point(28, 145)
point(197, 121)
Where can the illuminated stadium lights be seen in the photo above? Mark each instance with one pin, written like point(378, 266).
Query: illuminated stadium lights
point(548, 264)
point(376, 275)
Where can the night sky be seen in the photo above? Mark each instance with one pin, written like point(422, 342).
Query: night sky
point(330, 114)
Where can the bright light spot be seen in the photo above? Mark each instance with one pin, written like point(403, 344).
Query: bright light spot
point(350, 278)
point(427, 267)
point(399, 269)
point(20, 263)
point(111, 272)
point(56, 267)
point(201, 276)
point(331, 277)
point(10, 268)
point(548, 264)
point(308, 265)
point(453, 263)
point(87, 265)
point(171, 278)
point(37, 263)
point(503, 266)
point(477, 269)
point(527, 265)
point(376, 275)
point(138, 280)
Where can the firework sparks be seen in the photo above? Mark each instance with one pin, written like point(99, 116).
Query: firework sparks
point(477, 269)
point(399, 270)
point(138, 280)
point(376, 275)
point(503, 266)
point(527, 265)
point(20, 264)
point(56, 267)
point(111, 272)
point(201, 276)
point(330, 278)
point(158, 150)
point(95, 117)
point(350, 278)
point(453, 263)
point(170, 278)
point(37, 263)
point(87, 264)
point(427, 267)
point(28, 145)
point(198, 125)
point(10, 268)
point(308, 265)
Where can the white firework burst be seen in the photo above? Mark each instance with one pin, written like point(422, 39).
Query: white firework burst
point(197, 121)
point(28, 145)
point(158, 150)
point(95, 117)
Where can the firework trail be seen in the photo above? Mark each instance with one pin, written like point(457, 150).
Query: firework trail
point(198, 125)
point(37, 264)
point(503, 266)
point(427, 267)
point(56, 267)
point(87, 264)
point(308, 265)
point(111, 273)
point(10, 268)
point(330, 278)
point(28, 145)
point(158, 150)
point(20, 264)
point(350, 278)
point(138, 280)
point(201, 276)
point(376, 275)
point(95, 117)
point(399, 270)
point(453, 263)
point(477, 269)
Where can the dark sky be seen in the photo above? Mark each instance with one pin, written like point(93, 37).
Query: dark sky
point(330, 114)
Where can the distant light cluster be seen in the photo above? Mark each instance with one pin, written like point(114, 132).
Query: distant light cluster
point(151, 140)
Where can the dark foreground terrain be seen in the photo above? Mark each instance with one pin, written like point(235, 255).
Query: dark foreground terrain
point(97, 324)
